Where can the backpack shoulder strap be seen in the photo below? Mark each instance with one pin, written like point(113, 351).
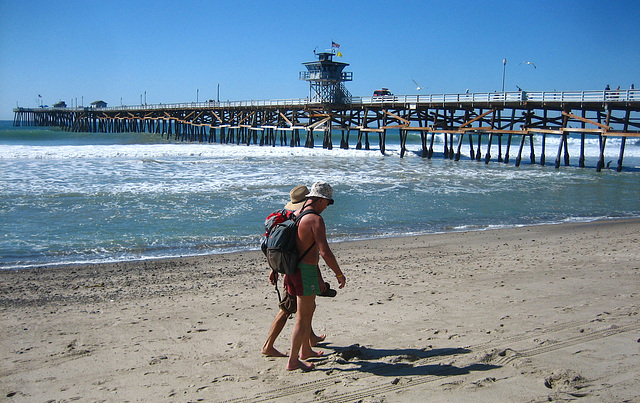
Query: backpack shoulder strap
point(297, 220)
point(299, 217)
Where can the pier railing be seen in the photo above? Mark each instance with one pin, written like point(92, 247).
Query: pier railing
point(521, 97)
point(509, 97)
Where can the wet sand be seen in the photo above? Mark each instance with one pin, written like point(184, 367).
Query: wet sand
point(525, 314)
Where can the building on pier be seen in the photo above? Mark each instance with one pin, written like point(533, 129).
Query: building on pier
point(326, 80)
point(98, 104)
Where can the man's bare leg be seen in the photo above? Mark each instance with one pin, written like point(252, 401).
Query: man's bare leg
point(315, 339)
point(276, 327)
point(301, 332)
point(306, 352)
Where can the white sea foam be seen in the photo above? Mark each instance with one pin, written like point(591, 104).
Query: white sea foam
point(154, 153)
point(106, 202)
point(151, 153)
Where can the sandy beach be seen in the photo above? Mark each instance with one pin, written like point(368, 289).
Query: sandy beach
point(531, 314)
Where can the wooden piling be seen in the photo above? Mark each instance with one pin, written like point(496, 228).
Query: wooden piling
point(624, 141)
point(603, 142)
point(519, 157)
point(459, 147)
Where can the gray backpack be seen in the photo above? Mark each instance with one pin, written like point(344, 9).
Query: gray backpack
point(281, 250)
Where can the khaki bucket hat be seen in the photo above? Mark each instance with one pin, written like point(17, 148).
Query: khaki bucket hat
point(298, 195)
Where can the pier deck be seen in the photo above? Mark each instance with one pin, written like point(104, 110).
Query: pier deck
point(494, 116)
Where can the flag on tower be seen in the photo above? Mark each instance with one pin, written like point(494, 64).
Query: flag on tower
point(339, 54)
point(335, 45)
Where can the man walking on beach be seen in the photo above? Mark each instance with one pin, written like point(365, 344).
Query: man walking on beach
point(306, 282)
point(288, 305)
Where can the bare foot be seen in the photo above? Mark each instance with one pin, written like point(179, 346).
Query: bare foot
point(299, 365)
point(272, 352)
point(312, 354)
point(314, 340)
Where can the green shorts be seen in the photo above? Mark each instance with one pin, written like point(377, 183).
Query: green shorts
point(305, 281)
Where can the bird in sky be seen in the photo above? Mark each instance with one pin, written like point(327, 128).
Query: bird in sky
point(418, 87)
point(534, 66)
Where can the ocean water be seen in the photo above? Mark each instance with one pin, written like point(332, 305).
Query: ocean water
point(93, 197)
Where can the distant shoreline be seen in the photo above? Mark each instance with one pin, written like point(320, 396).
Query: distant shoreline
point(161, 259)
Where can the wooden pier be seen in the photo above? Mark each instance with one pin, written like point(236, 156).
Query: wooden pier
point(481, 120)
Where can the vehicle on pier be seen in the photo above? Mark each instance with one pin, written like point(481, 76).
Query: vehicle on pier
point(383, 94)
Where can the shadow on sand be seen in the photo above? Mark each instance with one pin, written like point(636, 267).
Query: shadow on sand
point(399, 362)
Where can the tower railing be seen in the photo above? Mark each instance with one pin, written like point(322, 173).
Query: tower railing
point(326, 75)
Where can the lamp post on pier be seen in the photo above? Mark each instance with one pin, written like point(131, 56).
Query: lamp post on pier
point(504, 70)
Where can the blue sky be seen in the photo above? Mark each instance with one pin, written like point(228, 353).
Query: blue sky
point(176, 51)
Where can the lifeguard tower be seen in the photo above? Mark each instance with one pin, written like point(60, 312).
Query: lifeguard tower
point(326, 79)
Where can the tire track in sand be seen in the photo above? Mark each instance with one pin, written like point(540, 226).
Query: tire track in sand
point(437, 369)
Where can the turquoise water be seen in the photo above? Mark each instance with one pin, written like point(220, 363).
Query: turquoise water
point(87, 197)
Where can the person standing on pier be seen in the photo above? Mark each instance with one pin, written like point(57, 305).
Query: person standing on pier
point(306, 282)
